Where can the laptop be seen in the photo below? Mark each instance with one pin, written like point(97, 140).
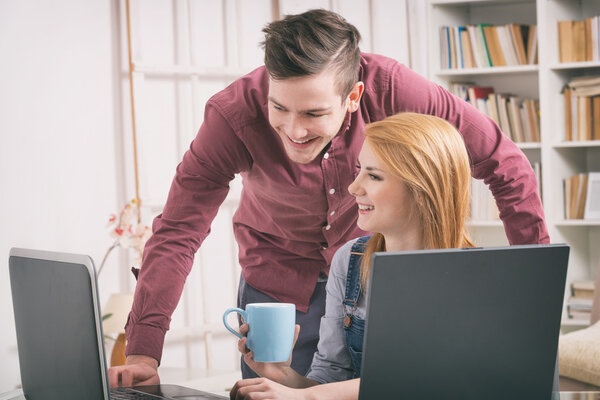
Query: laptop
point(59, 331)
point(480, 323)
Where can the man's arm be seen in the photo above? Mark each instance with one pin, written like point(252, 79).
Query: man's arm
point(494, 157)
point(200, 185)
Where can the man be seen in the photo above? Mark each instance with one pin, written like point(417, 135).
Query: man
point(293, 130)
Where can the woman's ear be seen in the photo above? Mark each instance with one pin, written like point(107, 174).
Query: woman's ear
point(355, 95)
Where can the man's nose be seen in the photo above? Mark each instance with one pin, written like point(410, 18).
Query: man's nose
point(295, 128)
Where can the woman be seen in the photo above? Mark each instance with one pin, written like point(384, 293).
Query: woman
point(412, 191)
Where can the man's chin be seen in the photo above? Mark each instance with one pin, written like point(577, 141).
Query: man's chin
point(301, 157)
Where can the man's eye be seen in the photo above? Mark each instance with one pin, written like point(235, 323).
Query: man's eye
point(315, 115)
point(277, 108)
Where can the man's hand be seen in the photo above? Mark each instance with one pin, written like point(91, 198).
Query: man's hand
point(138, 370)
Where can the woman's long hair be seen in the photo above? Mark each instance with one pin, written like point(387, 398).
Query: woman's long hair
point(430, 156)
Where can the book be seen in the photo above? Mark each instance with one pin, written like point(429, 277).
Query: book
point(516, 125)
point(444, 47)
point(579, 46)
point(596, 118)
point(469, 60)
point(452, 52)
point(582, 289)
point(532, 53)
point(479, 92)
point(476, 46)
point(507, 46)
point(581, 196)
point(493, 108)
point(484, 45)
point(579, 308)
point(493, 42)
point(592, 201)
point(519, 42)
point(565, 41)
point(568, 116)
point(589, 51)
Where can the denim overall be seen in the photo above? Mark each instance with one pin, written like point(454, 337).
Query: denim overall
point(354, 327)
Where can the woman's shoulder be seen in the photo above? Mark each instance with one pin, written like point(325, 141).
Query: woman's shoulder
point(341, 258)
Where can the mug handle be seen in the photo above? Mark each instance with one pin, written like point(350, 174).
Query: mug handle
point(237, 310)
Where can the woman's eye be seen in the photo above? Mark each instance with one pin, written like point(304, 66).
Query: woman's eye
point(374, 177)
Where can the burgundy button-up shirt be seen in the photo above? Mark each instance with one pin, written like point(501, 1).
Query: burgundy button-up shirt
point(293, 217)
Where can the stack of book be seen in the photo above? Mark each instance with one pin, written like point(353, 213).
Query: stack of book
point(582, 108)
point(518, 118)
point(579, 40)
point(484, 45)
point(579, 305)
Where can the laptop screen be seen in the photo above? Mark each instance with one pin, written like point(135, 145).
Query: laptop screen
point(464, 323)
point(59, 340)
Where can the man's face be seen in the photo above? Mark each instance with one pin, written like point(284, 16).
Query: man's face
point(307, 112)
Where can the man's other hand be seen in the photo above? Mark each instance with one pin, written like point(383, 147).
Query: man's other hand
point(138, 370)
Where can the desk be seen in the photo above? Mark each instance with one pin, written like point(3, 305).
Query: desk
point(18, 395)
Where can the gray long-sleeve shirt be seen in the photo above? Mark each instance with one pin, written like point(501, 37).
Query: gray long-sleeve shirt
point(331, 362)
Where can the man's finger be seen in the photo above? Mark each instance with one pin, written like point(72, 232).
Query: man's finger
point(126, 377)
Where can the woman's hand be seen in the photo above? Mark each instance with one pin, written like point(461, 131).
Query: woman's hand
point(278, 372)
point(262, 388)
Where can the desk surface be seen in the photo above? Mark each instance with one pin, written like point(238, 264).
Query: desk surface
point(18, 395)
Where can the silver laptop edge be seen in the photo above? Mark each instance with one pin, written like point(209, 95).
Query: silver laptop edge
point(89, 264)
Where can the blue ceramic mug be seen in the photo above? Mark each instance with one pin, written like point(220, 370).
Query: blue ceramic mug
point(271, 329)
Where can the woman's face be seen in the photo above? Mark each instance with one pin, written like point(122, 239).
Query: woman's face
point(384, 202)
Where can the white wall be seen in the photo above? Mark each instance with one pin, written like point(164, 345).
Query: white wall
point(59, 139)
point(65, 146)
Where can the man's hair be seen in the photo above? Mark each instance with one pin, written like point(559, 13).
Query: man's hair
point(308, 43)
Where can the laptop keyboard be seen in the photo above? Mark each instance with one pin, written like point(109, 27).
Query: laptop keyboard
point(128, 394)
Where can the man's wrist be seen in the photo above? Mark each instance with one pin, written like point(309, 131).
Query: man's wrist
point(140, 358)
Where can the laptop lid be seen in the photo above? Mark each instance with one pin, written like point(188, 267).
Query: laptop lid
point(57, 317)
point(59, 331)
point(464, 323)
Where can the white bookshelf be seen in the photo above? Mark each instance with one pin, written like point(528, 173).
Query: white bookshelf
point(559, 159)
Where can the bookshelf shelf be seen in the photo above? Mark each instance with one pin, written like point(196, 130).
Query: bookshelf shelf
point(520, 69)
point(529, 145)
point(577, 222)
point(575, 65)
point(553, 159)
point(476, 2)
point(577, 144)
point(574, 322)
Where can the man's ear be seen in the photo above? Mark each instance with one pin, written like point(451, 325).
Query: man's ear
point(355, 95)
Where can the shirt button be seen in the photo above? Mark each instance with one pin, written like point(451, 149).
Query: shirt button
point(324, 248)
point(331, 213)
point(331, 191)
point(328, 227)
point(326, 156)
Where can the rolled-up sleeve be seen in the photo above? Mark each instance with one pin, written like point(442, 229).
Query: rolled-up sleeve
point(331, 362)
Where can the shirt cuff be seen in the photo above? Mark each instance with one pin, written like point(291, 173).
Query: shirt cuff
point(144, 340)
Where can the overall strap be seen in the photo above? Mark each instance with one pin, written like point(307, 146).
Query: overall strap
point(352, 294)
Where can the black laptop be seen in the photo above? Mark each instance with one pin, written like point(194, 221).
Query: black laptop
point(59, 332)
point(478, 323)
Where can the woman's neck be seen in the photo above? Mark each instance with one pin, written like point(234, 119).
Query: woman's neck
point(410, 240)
